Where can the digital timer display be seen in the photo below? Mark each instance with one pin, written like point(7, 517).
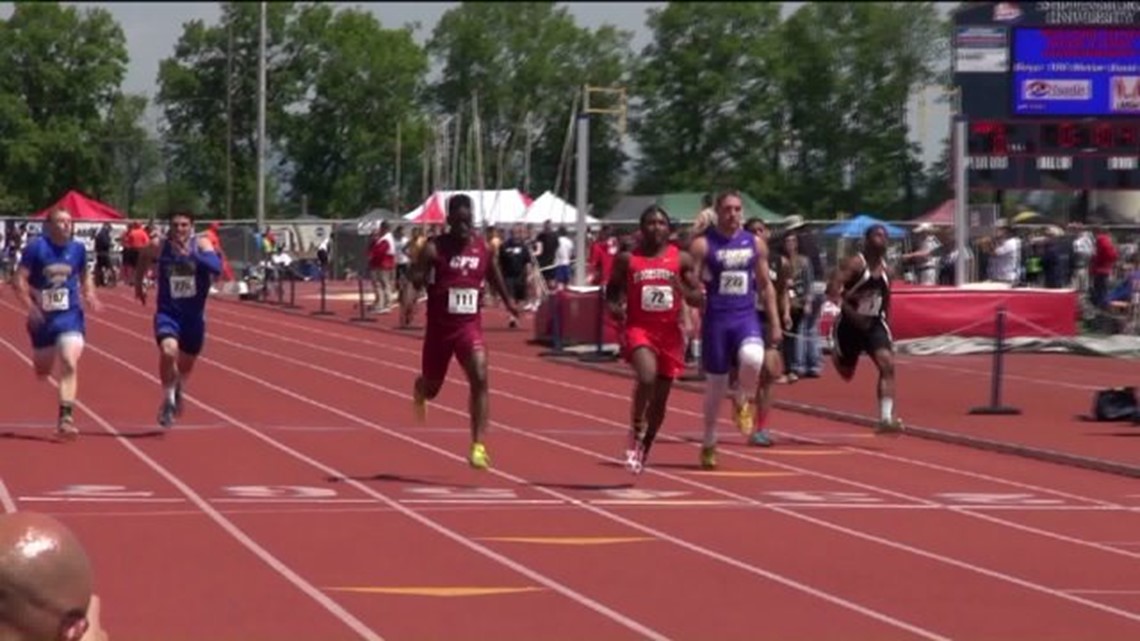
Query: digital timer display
point(1060, 154)
point(1070, 136)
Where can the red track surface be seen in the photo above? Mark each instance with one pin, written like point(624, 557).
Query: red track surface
point(848, 537)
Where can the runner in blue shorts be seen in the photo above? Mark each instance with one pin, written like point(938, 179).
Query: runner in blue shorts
point(53, 270)
point(734, 267)
point(185, 265)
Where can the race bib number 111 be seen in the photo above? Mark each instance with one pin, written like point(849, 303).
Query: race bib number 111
point(462, 301)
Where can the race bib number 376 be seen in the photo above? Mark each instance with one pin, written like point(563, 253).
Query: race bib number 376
point(462, 300)
point(183, 287)
point(734, 283)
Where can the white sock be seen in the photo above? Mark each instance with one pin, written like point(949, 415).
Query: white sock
point(751, 359)
point(715, 387)
point(886, 408)
point(169, 391)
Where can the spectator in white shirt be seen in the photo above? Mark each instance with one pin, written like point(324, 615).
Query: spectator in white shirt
point(1005, 261)
point(563, 256)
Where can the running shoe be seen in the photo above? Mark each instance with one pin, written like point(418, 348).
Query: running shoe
point(166, 414)
point(65, 428)
point(892, 427)
point(635, 461)
point(632, 444)
point(479, 458)
point(745, 416)
point(708, 457)
point(419, 406)
point(761, 438)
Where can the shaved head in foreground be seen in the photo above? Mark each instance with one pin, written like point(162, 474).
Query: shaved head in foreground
point(45, 580)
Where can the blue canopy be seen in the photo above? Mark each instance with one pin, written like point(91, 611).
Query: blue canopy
point(857, 226)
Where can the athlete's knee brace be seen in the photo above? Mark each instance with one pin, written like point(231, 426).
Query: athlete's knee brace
point(751, 357)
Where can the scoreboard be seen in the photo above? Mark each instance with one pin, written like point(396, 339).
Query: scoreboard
point(1050, 92)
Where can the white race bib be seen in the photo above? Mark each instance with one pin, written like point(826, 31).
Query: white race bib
point(55, 300)
point(656, 298)
point(734, 283)
point(462, 300)
point(870, 305)
point(183, 287)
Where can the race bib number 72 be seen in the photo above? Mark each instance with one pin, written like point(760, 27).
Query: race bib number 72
point(462, 300)
point(656, 298)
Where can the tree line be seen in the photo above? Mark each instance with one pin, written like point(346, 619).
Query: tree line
point(806, 111)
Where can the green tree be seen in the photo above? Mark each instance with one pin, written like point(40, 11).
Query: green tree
point(366, 83)
point(133, 154)
point(62, 69)
point(525, 64)
point(709, 97)
point(854, 153)
point(209, 94)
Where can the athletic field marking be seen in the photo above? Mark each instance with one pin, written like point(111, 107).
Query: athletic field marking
point(826, 596)
point(285, 571)
point(455, 536)
point(6, 499)
point(438, 592)
point(851, 532)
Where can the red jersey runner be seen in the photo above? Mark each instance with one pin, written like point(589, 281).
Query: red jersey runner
point(454, 304)
point(653, 307)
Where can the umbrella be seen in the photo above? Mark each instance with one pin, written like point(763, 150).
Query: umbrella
point(857, 226)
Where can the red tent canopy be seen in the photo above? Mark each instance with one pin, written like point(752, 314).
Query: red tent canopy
point(940, 215)
point(83, 208)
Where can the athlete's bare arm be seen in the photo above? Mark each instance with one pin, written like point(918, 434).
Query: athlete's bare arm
point(764, 284)
point(147, 256)
point(783, 290)
point(690, 284)
point(87, 285)
point(840, 276)
point(615, 288)
point(698, 249)
point(421, 266)
point(495, 275)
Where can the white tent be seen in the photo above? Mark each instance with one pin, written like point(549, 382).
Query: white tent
point(557, 211)
point(501, 207)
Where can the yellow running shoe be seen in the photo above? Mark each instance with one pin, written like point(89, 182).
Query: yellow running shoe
point(708, 458)
point(746, 417)
point(419, 406)
point(479, 458)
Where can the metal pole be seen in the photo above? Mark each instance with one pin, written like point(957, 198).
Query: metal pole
point(961, 199)
point(582, 200)
point(261, 121)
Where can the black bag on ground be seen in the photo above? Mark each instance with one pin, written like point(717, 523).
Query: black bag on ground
point(1115, 404)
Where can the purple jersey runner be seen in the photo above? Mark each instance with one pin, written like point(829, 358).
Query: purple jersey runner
point(730, 319)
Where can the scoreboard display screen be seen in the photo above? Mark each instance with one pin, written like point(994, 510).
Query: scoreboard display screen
point(1051, 94)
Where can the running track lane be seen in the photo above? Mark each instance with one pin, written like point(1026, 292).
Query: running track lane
point(1040, 589)
point(152, 564)
point(990, 496)
point(685, 407)
point(987, 498)
point(625, 577)
point(385, 533)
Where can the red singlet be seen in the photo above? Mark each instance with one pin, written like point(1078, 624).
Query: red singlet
point(653, 306)
point(454, 304)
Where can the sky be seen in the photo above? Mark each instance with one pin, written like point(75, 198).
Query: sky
point(152, 29)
